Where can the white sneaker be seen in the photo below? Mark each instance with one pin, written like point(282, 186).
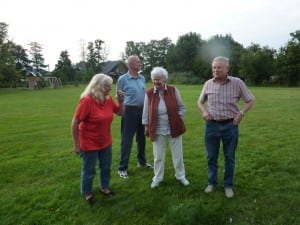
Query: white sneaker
point(154, 184)
point(210, 188)
point(184, 181)
point(123, 174)
point(147, 165)
point(229, 192)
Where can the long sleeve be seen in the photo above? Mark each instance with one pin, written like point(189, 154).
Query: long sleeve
point(145, 116)
point(181, 106)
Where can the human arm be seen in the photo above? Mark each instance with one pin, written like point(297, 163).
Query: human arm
point(205, 114)
point(201, 105)
point(145, 116)
point(248, 98)
point(119, 87)
point(181, 107)
point(120, 96)
point(237, 119)
point(75, 134)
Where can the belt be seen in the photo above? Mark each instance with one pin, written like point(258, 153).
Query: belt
point(134, 106)
point(222, 121)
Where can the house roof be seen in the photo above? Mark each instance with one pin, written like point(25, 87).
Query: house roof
point(109, 66)
point(35, 74)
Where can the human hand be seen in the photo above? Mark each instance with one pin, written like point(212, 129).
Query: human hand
point(237, 119)
point(120, 95)
point(206, 116)
point(76, 149)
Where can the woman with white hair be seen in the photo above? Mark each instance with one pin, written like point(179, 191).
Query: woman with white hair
point(162, 116)
point(91, 133)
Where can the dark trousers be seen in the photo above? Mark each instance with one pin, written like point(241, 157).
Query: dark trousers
point(131, 125)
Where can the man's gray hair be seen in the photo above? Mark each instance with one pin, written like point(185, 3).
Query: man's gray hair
point(222, 58)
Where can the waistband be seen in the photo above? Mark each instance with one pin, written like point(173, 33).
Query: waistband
point(134, 106)
point(222, 121)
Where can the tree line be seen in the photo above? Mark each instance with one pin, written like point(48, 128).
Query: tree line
point(188, 60)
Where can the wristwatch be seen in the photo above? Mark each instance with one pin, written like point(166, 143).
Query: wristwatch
point(242, 112)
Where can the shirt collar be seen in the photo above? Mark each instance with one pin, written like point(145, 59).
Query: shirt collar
point(155, 89)
point(228, 78)
point(131, 77)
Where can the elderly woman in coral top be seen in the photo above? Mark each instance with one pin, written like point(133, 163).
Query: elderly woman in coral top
point(162, 117)
point(92, 134)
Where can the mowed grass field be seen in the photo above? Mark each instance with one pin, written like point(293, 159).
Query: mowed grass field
point(40, 176)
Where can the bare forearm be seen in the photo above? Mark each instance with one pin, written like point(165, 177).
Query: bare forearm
point(247, 106)
point(75, 134)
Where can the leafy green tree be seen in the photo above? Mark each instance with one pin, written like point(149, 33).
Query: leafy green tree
point(91, 63)
point(155, 54)
point(99, 53)
point(9, 75)
point(3, 32)
point(288, 61)
point(224, 46)
point(94, 57)
point(152, 54)
point(257, 64)
point(181, 57)
point(135, 48)
point(37, 58)
point(20, 56)
point(64, 69)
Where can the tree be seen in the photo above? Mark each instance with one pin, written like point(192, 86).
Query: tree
point(37, 58)
point(98, 52)
point(181, 57)
point(257, 64)
point(20, 56)
point(95, 56)
point(64, 69)
point(3, 32)
point(152, 54)
point(288, 61)
point(156, 53)
point(9, 75)
point(220, 45)
point(135, 48)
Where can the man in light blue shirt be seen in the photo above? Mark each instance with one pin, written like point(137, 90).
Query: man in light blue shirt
point(133, 85)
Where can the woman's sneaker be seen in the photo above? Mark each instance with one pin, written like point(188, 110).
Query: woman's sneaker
point(123, 174)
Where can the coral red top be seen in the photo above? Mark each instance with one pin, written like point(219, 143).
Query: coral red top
point(95, 123)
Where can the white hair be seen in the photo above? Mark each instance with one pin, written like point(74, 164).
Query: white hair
point(159, 72)
point(223, 59)
point(96, 86)
point(131, 59)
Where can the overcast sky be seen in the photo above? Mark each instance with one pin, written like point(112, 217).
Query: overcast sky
point(60, 24)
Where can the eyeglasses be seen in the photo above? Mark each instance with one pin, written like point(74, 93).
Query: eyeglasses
point(107, 87)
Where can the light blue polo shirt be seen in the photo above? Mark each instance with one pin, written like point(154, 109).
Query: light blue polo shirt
point(134, 89)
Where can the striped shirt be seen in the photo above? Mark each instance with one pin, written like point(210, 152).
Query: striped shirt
point(222, 99)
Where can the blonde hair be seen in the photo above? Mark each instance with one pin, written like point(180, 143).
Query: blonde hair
point(96, 87)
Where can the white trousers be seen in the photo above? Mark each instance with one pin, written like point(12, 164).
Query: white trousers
point(159, 152)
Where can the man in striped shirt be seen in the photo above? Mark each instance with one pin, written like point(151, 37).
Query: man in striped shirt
point(222, 115)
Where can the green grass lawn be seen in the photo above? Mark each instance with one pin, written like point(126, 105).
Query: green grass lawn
point(40, 176)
